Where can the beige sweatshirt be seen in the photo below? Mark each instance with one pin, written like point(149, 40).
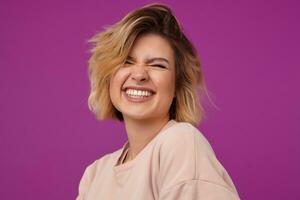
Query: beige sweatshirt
point(177, 164)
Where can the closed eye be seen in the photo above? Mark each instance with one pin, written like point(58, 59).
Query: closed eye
point(128, 62)
point(157, 65)
point(160, 66)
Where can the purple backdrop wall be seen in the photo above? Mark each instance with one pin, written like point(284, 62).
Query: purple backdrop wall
point(250, 55)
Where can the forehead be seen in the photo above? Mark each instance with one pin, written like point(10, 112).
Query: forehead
point(152, 45)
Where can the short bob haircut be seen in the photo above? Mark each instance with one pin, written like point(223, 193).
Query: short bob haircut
point(112, 46)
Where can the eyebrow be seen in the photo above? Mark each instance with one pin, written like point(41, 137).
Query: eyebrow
point(150, 60)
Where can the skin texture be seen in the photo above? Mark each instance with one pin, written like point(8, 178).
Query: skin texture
point(143, 120)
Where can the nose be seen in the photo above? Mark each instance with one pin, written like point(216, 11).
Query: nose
point(139, 74)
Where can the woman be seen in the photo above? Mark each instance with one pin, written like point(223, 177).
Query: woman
point(145, 72)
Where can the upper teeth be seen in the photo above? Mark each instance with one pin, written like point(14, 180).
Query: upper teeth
point(138, 92)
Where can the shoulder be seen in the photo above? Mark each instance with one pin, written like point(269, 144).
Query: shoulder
point(103, 161)
point(185, 154)
point(89, 175)
point(92, 168)
point(184, 135)
point(98, 165)
point(180, 150)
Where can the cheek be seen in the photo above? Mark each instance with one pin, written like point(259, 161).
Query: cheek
point(111, 86)
point(114, 88)
point(117, 80)
point(165, 82)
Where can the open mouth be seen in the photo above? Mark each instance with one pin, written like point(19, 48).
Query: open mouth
point(136, 95)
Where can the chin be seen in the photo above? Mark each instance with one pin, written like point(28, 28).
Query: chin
point(138, 115)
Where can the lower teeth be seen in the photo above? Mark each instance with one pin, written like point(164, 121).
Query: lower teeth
point(137, 96)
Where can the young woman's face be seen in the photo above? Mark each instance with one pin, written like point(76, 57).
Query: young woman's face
point(144, 87)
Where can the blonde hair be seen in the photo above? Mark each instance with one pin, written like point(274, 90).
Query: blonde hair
point(112, 46)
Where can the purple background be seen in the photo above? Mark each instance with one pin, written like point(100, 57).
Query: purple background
point(250, 55)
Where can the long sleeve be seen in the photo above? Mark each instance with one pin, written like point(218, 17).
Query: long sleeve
point(189, 168)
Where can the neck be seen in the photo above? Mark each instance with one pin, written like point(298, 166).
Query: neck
point(141, 132)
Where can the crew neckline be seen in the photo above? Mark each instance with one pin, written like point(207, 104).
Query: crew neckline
point(124, 149)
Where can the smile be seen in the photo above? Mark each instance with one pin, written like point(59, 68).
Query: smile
point(138, 93)
point(134, 95)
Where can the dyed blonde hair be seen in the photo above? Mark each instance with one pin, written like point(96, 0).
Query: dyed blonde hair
point(112, 46)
